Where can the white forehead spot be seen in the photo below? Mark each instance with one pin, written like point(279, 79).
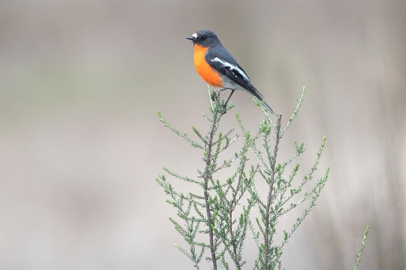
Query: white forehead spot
point(194, 35)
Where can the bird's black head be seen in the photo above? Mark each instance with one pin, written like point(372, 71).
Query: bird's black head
point(205, 38)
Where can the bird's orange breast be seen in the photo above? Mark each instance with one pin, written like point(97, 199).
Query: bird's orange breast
point(205, 71)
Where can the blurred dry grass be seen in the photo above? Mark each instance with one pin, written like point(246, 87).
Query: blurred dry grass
point(80, 143)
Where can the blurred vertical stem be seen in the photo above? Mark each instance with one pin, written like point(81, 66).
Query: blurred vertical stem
point(361, 249)
point(208, 174)
point(269, 200)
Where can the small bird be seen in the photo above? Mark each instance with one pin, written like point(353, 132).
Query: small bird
point(218, 67)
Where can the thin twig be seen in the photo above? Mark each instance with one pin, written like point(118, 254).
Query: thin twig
point(207, 174)
point(233, 204)
point(361, 249)
point(268, 204)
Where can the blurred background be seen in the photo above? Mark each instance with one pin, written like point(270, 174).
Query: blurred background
point(81, 145)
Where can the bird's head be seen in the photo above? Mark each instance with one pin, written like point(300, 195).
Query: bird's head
point(205, 38)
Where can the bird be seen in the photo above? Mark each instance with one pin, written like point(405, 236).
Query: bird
point(218, 68)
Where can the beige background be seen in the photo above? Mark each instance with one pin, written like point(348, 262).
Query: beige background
point(80, 143)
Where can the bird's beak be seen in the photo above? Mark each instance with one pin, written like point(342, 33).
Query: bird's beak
point(191, 38)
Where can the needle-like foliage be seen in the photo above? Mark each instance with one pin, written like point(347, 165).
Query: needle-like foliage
point(230, 210)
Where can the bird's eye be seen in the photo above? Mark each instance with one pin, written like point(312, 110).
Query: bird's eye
point(203, 37)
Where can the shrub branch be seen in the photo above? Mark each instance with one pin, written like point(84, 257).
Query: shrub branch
point(223, 213)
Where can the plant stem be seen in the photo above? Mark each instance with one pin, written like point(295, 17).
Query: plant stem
point(207, 175)
point(233, 243)
point(268, 205)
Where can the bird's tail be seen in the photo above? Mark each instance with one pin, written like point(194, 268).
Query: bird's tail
point(265, 104)
point(268, 107)
point(253, 91)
